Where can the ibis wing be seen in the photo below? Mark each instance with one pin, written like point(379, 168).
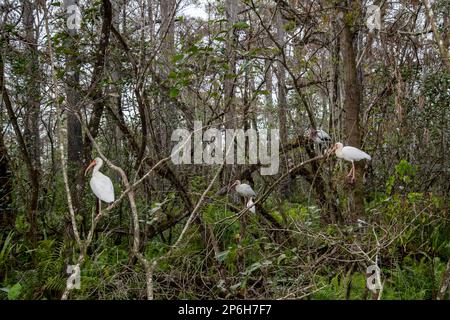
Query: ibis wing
point(322, 135)
point(102, 187)
point(247, 190)
point(355, 154)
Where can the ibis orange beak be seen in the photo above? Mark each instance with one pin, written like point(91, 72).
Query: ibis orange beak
point(331, 150)
point(93, 163)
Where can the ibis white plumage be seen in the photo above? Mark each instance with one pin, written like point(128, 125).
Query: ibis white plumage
point(101, 185)
point(251, 205)
point(245, 191)
point(350, 154)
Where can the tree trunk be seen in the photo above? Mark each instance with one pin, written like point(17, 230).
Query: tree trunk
point(269, 87)
point(31, 133)
point(74, 132)
point(445, 283)
point(352, 99)
point(287, 184)
point(443, 46)
point(231, 9)
point(281, 83)
point(167, 35)
point(334, 119)
point(229, 82)
point(31, 128)
point(168, 28)
point(7, 215)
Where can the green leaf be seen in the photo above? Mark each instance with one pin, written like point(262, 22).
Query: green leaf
point(172, 75)
point(9, 27)
point(289, 26)
point(215, 94)
point(222, 39)
point(174, 92)
point(177, 57)
point(241, 25)
point(221, 256)
point(14, 291)
point(193, 49)
point(230, 76)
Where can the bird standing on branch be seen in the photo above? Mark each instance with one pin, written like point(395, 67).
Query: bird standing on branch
point(101, 185)
point(319, 136)
point(351, 154)
point(245, 191)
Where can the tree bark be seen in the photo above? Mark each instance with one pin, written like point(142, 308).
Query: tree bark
point(74, 132)
point(285, 185)
point(8, 216)
point(31, 133)
point(32, 106)
point(443, 46)
point(352, 97)
point(229, 82)
point(445, 283)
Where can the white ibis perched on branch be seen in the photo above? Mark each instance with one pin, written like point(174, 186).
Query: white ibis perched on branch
point(245, 191)
point(351, 154)
point(319, 136)
point(101, 185)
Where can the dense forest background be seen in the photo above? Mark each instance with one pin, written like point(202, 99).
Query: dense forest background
point(118, 84)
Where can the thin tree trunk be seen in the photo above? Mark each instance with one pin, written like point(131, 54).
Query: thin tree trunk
point(7, 215)
point(285, 185)
point(229, 82)
point(443, 47)
point(445, 284)
point(281, 83)
point(31, 130)
point(269, 88)
point(335, 93)
point(31, 133)
point(231, 8)
point(352, 99)
point(74, 132)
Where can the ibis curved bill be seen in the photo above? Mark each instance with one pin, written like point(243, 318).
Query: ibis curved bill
point(350, 154)
point(101, 185)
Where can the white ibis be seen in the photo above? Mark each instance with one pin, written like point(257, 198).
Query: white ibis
point(244, 190)
point(351, 154)
point(318, 136)
point(100, 184)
